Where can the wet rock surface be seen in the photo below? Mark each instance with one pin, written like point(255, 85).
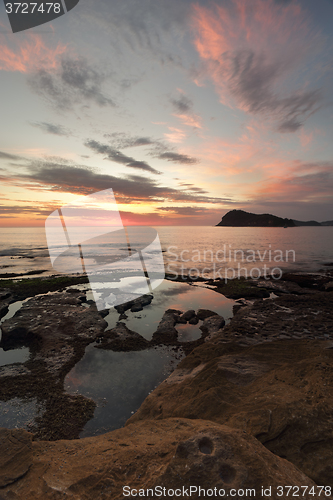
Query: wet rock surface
point(56, 328)
point(173, 453)
point(57, 325)
point(285, 317)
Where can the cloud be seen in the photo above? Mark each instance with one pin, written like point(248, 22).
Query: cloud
point(183, 104)
point(60, 175)
point(74, 81)
point(7, 156)
point(302, 182)
point(176, 157)
point(28, 54)
point(122, 140)
point(118, 157)
point(158, 149)
point(51, 128)
point(252, 51)
point(156, 27)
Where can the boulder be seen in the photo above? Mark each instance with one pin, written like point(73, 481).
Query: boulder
point(204, 313)
point(188, 315)
point(122, 338)
point(166, 331)
point(194, 320)
point(171, 454)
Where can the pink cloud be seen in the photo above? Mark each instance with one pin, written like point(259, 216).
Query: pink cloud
point(28, 55)
point(251, 49)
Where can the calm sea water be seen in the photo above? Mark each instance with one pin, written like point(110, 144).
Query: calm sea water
point(200, 250)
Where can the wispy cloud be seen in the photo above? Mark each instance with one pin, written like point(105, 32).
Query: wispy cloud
point(75, 80)
point(183, 106)
point(251, 49)
point(51, 128)
point(118, 157)
point(156, 148)
point(28, 54)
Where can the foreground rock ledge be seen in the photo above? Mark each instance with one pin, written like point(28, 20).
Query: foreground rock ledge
point(280, 392)
point(173, 453)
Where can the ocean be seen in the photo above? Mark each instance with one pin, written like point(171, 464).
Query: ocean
point(197, 250)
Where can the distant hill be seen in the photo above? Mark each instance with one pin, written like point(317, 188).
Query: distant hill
point(327, 223)
point(240, 218)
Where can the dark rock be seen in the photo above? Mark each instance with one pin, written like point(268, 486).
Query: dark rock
point(135, 305)
point(104, 312)
point(121, 338)
point(136, 308)
point(194, 320)
point(205, 313)
point(166, 331)
point(5, 293)
point(56, 325)
point(188, 315)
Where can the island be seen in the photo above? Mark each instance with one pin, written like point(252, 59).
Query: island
point(240, 218)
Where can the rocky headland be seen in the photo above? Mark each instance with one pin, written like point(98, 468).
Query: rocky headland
point(240, 218)
point(249, 407)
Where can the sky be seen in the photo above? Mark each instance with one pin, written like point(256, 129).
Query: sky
point(185, 109)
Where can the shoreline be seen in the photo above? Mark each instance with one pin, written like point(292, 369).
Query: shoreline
point(269, 373)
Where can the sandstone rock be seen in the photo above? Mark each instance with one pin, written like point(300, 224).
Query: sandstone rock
point(212, 325)
point(205, 313)
point(15, 456)
point(280, 392)
point(173, 453)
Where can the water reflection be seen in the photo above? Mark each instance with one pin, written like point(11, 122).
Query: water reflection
point(118, 382)
point(171, 295)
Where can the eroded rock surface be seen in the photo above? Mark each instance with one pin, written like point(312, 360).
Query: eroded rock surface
point(57, 324)
point(172, 453)
point(15, 456)
point(279, 392)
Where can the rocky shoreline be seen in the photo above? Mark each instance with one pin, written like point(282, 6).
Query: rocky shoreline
point(249, 406)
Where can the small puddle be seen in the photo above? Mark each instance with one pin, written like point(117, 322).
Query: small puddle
point(20, 355)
